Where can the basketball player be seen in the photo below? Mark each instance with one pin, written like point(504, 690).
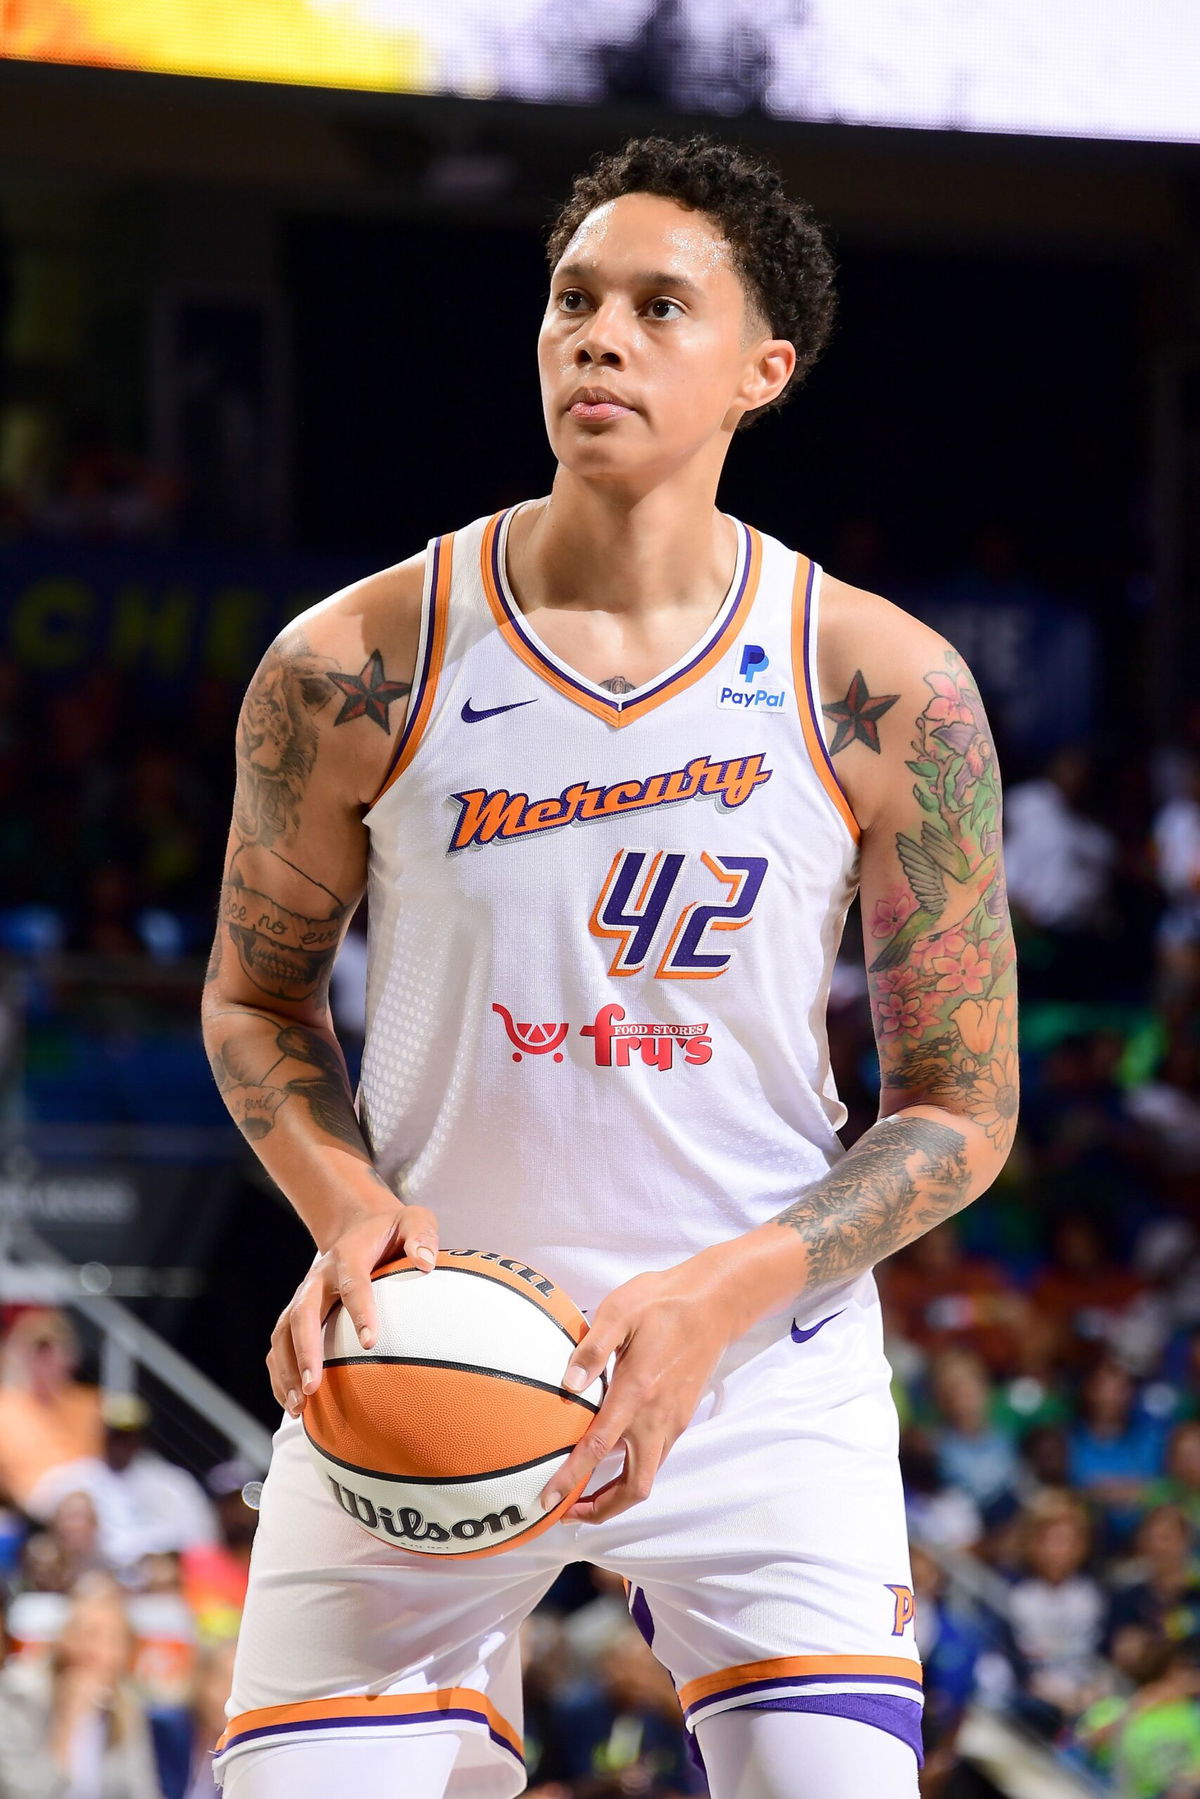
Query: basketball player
point(612, 765)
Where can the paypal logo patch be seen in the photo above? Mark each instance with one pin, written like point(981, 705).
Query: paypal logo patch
point(755, 661)
point(754, 694)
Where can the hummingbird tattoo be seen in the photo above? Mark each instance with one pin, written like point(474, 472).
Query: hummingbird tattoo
point(948, 889)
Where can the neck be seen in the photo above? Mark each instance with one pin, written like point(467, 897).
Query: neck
point(594, 547)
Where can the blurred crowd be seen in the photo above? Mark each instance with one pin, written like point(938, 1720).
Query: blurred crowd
point(124, 1578)
point(123, 1581)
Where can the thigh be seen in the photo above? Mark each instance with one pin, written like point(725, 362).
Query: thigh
point(770, 1562)
point(345, 1639)
point(799, 1755)
point(415, 1768)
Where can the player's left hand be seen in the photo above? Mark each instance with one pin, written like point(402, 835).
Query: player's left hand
point(668, 1331)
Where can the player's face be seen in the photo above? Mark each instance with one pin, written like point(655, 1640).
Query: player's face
point(645, 305)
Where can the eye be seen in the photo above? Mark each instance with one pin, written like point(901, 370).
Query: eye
point(570, 293)
point(662, 301)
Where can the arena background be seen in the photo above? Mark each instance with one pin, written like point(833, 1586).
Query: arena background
point(270, 276)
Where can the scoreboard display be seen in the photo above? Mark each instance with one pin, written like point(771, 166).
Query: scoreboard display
point(1073, 68)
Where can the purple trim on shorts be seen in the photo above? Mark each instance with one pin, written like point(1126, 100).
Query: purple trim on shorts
point(899, 1717)
point(801, 1680)
point(639, 1611)
point(271, 1730)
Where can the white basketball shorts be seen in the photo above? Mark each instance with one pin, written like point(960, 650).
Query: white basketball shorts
point(769, 1567)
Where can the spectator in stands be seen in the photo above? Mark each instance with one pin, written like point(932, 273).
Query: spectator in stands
point(1060, 865)
point(1163, 1595)
point(1177, 856)
point(949, 1647)
point(1056, 1609)
point(103, 490)
point(1167, 1106)
point(47, 1417)
point(1151, 1743)
point(972, 1453)
point(548, 1673)
point(1084, 1153)
point(76, 1529)
point(215, 1574)
point(158, 826)
point(1083, 1290)
point(939, 1297)
point(145, 1504)
point(1116, 1451)
point(635, 1731)
point(39, 1603)
point(71, 1722)
point(1180, 1485)
point(1045, 1458)
point(939, 1515)
point(107, 923)
point(184, 1741)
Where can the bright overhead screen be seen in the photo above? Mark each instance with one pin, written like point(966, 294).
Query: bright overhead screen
point(1077, 68)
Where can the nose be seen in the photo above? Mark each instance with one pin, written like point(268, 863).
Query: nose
point(603, 340)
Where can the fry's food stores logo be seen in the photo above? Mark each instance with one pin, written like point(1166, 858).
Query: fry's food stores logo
point(615, 1040)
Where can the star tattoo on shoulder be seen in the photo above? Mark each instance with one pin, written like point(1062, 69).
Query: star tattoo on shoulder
point(857, 716)
point(369, 693)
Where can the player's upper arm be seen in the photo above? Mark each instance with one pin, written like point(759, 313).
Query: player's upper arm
point(911, 743)
point(315, 737)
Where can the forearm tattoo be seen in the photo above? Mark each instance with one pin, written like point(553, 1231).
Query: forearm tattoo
point(300, 1064)
point(902, 1177)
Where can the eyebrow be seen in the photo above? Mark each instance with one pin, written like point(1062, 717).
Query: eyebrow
point(584, 271)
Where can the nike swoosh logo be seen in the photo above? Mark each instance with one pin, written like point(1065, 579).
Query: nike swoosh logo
point(469, 715)
point(799, 1336)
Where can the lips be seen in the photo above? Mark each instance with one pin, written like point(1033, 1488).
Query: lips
point(598, 403)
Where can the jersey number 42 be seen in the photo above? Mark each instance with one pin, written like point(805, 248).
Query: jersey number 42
point(634, 910)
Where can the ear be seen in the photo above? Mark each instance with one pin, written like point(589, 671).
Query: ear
point(768, 371)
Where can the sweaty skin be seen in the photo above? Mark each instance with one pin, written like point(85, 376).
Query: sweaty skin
point(624, 566)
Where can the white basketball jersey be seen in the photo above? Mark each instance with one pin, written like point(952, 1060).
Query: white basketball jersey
point(602, 930)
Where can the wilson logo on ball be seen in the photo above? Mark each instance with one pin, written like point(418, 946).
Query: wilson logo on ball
point(407, 1524)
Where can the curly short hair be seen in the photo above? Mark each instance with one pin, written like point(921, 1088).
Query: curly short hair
point(778, 248)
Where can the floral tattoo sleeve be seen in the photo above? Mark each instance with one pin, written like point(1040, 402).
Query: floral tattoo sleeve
point(939, 945)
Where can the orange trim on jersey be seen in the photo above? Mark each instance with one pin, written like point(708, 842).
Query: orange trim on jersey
point(601, 706)
point(393, 1708)
point(807, 701)
point(434, 651)
point(792, 1667)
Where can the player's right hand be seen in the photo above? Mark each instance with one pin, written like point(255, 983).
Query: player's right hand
point(343, 1272)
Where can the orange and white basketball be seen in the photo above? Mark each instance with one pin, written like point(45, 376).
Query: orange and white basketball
point(439, 1438)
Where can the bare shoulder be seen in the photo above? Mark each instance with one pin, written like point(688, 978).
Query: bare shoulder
point(859, 627)
point(878, 670)
point(379, 614)
point(337, 679)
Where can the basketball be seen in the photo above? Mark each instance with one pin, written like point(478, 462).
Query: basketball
point(440, 1437)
